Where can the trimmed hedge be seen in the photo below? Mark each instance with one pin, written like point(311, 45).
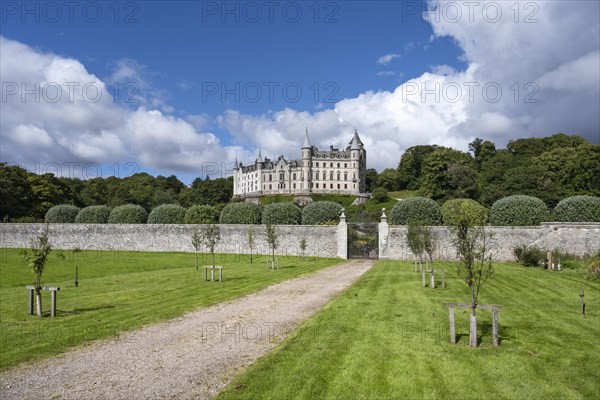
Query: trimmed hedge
point(321, 212)
point(201, 215)
point(578, 209)
point(519, 210)
point(241, 213)
point(93, 215)
point(167, 214)
point(62, 214)
point(416, 209)
point(282, 214)
point(469, 211)
point(128, 214)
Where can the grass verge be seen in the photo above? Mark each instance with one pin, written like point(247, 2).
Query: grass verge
point(386, 337)
point(119, 292)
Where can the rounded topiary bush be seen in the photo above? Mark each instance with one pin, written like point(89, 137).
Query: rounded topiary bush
point(93, 215)
point(167, 214)
point(578, 209)
point(128, 214)
point(62, 214)
point(321, 212)
point(518, 210)
point(416, 209)
point(380, 195)
point(241, 213)
point(201, 215)
point(464, 211)
point(282, 214)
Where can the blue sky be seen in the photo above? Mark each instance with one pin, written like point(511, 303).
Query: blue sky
point(188, 84)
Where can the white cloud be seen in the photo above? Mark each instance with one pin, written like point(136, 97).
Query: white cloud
point(386, 59)
point(386, 73)
point(74, 128)
point(443, 70)
point(547, 74)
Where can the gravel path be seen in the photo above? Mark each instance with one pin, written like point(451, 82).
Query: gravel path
point(191, 357)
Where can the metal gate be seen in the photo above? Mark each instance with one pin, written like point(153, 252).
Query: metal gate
point(363, 241)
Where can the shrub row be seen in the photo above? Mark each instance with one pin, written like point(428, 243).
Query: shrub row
point(517, 210)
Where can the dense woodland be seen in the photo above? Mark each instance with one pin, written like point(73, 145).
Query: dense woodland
point(550, 168)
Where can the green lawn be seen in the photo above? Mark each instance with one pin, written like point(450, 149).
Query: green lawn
point(403, 194)
point(387, 338)
point(118, 292)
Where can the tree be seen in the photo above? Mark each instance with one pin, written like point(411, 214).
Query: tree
point(40, 249)
point(482, 150)
point(272, 237)
point(410, 165)
point(437, 171)
point(473, 250)
point(420, 240)
point(211, 235)
point(389, 179)
point(370, 178)
point(251, 242)
point(74, 251)
point(15, 192)
point(302, 247)
point(197, 243)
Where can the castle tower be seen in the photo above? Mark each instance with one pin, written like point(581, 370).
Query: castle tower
point(358, 157)
point(306, 163)
point(259, 173)
point(236, 177)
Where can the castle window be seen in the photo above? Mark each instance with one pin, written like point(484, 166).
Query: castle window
point(345, 165)
point(331, 186)
point(294, 176)
point(317, 164)
point(331, 175)
point(331, 164)
point(317, 185)
point(317, 175)
point(294, 186)
point(270, 179)
point(345, 186)
point(345, 176)
point(338, 185)
point(270, 187)
point(338, 165)
point(338, 177)
point(281, 176)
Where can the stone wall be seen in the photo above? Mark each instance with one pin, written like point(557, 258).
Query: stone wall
point(578, 239)
point(321, 241)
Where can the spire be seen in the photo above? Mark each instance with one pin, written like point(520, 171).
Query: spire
point(236, 165)
point(259, 159)
point(306, 141)
point(355, 143)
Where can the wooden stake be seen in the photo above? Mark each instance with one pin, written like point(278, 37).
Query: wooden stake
point(473, 331)
point(452, 327)
point(495, 327)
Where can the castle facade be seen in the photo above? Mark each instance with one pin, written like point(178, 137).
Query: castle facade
point(319, 171)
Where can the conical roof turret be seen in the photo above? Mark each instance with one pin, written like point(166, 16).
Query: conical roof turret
point(306, 144)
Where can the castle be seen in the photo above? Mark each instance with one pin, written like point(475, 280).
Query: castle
point(330, 171)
